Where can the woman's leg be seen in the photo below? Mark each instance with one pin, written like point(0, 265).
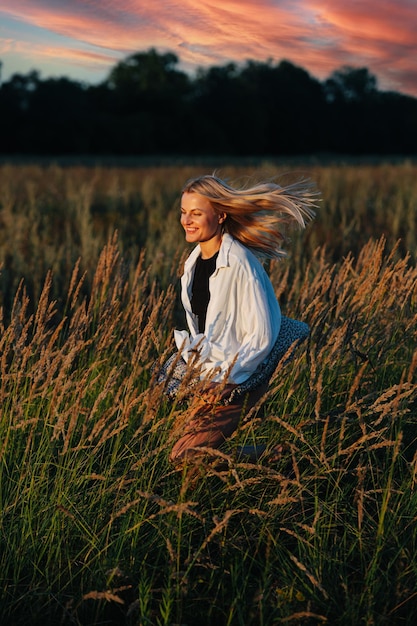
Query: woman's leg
point(212, 422)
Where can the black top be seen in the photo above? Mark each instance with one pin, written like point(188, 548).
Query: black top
point(200, 294)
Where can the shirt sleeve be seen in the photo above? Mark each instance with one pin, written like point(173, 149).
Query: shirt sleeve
point(257, 326)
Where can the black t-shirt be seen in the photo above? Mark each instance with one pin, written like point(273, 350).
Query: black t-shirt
point(200, 294)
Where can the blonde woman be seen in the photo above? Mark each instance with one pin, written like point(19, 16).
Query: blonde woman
point(233, 317)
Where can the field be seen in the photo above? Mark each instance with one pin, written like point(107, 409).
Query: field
point(96, 526)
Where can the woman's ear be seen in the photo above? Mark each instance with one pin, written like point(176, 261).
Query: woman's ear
point(222, 217)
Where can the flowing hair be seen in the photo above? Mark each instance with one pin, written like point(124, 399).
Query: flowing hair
point(257, 215)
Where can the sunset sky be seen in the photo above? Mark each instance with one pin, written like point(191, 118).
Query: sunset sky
point(84, 39)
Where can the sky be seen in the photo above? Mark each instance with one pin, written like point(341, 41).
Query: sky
point(84, 39)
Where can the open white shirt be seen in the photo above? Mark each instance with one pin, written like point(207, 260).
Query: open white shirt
point(243, 314)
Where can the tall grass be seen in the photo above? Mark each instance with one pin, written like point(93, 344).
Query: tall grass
point(97, 527)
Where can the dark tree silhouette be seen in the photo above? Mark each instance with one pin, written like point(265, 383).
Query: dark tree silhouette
point(147, 80)
point(146, 98)
point(291, 103)
point(349, 84)
point(258, 109)
point(217, 104)
point(15, 102)
point(148, 106)
point(364, 120)
point(60, 113)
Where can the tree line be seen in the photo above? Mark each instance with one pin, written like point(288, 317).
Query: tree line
point(148, 106)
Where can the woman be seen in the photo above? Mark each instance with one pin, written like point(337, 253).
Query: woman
point(231, 310)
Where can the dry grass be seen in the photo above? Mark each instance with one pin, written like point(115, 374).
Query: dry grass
point(96, 525)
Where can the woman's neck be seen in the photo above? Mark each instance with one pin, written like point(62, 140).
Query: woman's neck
point(210, 247)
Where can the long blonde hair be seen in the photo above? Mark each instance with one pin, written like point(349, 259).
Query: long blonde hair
point(257, 215)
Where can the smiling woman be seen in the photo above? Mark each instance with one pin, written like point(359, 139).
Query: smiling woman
point(233, 316)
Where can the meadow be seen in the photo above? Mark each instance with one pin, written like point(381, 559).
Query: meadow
point(96, 526)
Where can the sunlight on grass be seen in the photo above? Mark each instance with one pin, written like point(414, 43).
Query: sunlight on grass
point(96, 524)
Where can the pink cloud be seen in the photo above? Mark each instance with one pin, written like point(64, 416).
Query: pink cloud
point(383, 21)
point(319, 35)
point(80, 57)
point(380, 36)
point(73, 20)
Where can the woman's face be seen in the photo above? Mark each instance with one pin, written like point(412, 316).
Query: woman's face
point(198, 218)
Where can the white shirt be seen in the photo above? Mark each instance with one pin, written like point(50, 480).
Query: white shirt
point(243, 315)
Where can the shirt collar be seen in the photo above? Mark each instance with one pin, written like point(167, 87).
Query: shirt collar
point(222, 259)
